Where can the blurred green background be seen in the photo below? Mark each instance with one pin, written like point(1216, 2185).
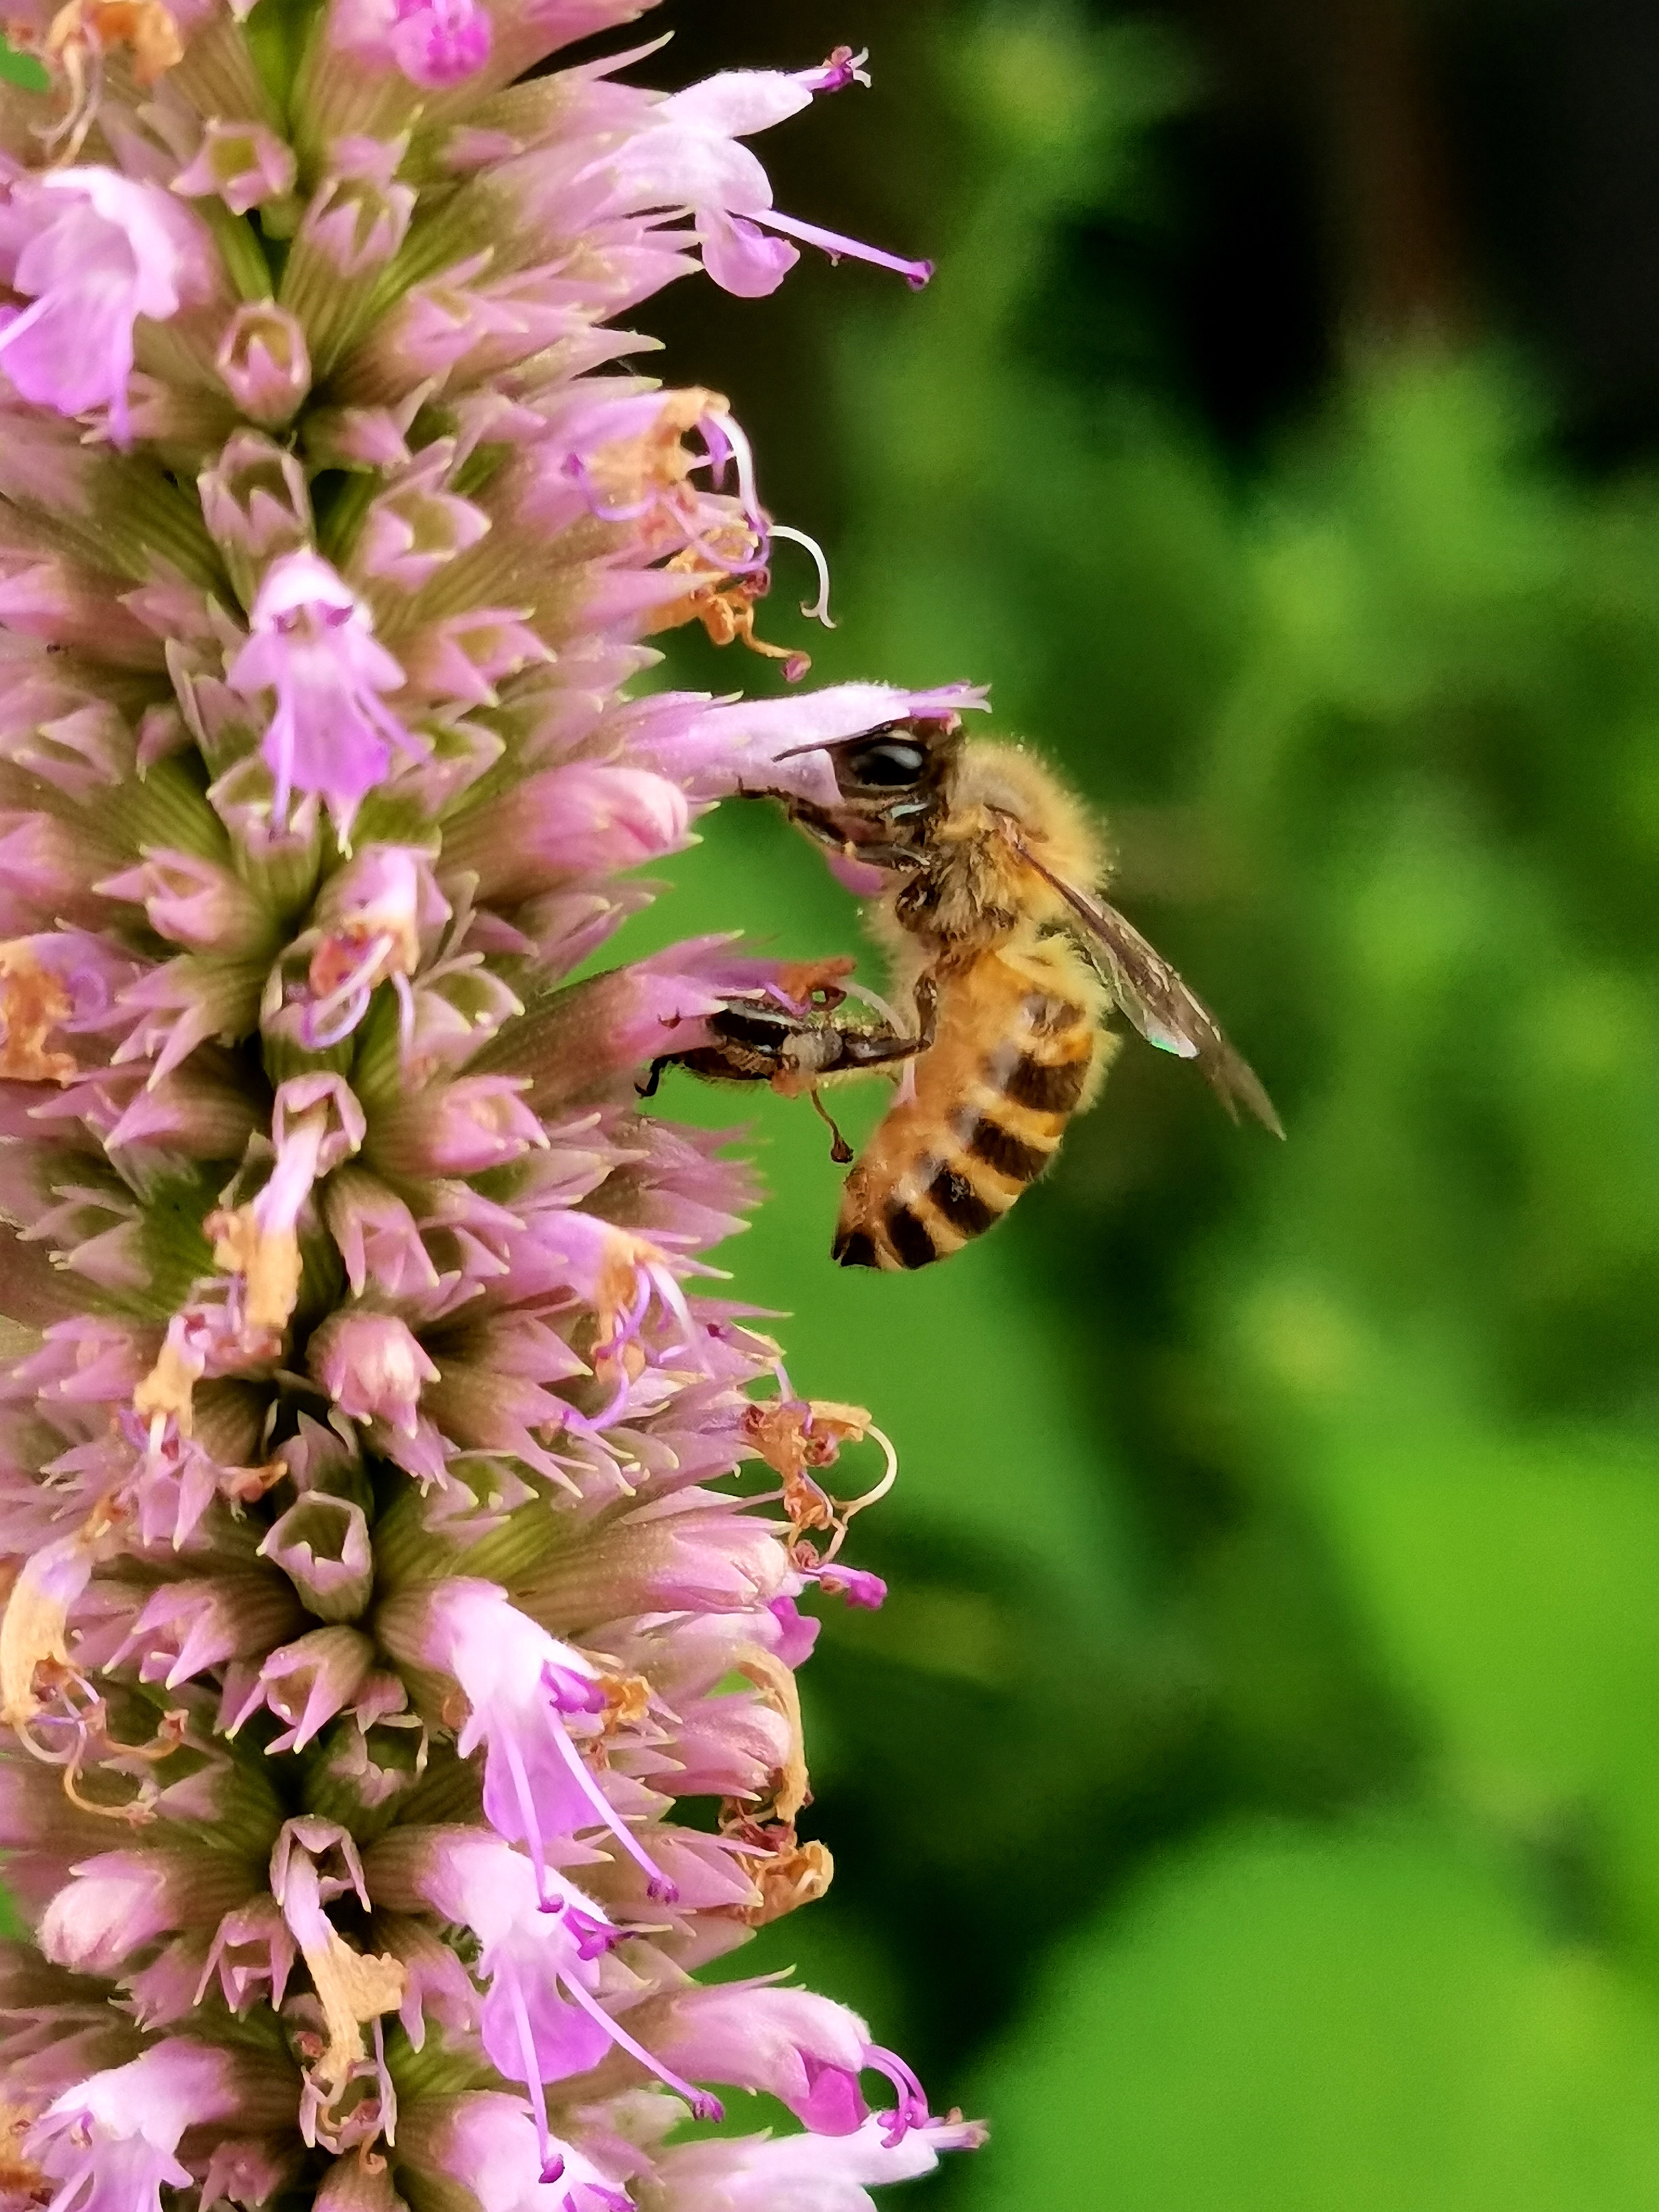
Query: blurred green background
point(1249, 1795)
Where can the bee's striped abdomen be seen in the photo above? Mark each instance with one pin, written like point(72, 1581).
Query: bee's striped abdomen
point(1012, 1064)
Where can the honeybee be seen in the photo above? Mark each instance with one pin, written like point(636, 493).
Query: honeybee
point(997, 937)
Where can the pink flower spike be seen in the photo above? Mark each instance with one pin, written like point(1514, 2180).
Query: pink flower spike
point(440, 43)
point(312, 644)
point(386, 1570)
point(96, 252)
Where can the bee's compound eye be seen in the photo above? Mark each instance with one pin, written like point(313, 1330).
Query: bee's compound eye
point(889, 763)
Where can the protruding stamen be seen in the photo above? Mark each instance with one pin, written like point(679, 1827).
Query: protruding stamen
point(815, 609)
point(917, 274)
point(912, 2111)
point(843, 67)
point(743, 454)
point(703, 2106)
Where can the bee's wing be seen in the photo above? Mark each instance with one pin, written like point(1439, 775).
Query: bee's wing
point(1159, 1003)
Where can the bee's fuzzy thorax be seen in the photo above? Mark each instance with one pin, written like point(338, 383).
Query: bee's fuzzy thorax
point(1011, 781)
point(978, 891)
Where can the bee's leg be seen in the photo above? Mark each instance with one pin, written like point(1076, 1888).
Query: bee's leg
point(653, 1082)
point(839, 1151)
point(927, 997)
point(881, 1048)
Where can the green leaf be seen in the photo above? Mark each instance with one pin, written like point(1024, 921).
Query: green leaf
point(1508, 1584)
point(1367, 2019)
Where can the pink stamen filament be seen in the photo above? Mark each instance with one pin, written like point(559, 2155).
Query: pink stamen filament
point(579, 474)
point(673, 1300)
point(912, 2110)
point(353, 995)
point(319, 1036)
point(532, 1831)
point(703, 2106)
point(719, 448)
point(405, 991)
point(744, 454)
point(628, 1323)
point(657, 1882)
point(532, 2064)
point(917, 274)
point(692, 540)
point(589, 1424)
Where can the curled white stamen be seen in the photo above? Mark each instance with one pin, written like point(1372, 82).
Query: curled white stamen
point(815, 609)
point(887, 1481)
point(844, 1513)
point(744, 454)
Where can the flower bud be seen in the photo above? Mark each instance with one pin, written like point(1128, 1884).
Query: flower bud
point(256, 505)
point(264, 362)
point(244, 164)
point(322, 1545)
point(306, 1683)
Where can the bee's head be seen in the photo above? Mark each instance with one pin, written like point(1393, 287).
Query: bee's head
point(892, 781)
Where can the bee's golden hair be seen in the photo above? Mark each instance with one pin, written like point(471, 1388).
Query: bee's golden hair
point(1014, 781)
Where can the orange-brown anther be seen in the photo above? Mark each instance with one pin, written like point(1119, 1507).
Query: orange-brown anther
point(628, 1700)
point(168, 1391)
point(794, 1434)
point(79, 36)
point(268, 1261)
point(724, 605)
point(339, 959)
point(630, 470)
point(247, 1486)
point(21, 2184)
point(776, 1684)
point(33, 1001)
point(792, 1877)
point(34, 1626)
point(144, 27)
